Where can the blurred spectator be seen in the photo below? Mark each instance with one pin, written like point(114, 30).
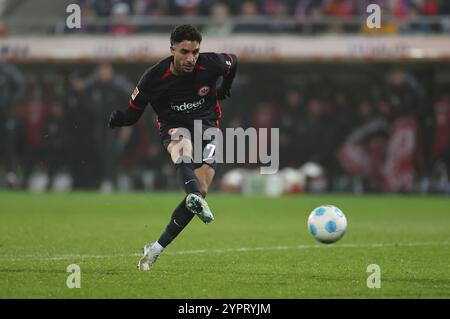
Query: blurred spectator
point(249, 9)
point(309, 8)
point(86, 14)
point(187, 7)
point(54, 141)
point(282, 22)
point(313, 10)
point(264, 115)
point(399, 8)
point(119, 20)
point(147, 8)
point(11, 91)
point(80, 125)
point(271, 7)
point(403, 156)
point(363, 152)
point(3, 30)
point(344, 115)
point(249, 21)
point(406, 154)
point(222, 26)
point(2, 7)
point(403, 92)
point(340, 8)
point(105, 90)
point(441, 139)
point(35, 116)
point(292, 115)
point(317, 130)
point(430, 7)
point(144, 155)
point(102, 7)
point(416, 26)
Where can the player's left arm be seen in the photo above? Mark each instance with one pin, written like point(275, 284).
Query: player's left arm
point(136, 106)
point(229, 63)
point(129, 116)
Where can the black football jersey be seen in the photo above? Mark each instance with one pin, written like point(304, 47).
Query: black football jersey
point(183, 98)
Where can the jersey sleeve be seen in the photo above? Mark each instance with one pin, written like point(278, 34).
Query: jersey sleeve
point(226, 62)
point(140, 96)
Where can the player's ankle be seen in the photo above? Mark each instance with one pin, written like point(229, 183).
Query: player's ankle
point(158, 247)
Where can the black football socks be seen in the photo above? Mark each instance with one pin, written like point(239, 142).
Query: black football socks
point(179, 220)
point(186, 175)
point(181, 215)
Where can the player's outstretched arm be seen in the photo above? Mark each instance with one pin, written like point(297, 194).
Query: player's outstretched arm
point(132, 114)
point(128, 117)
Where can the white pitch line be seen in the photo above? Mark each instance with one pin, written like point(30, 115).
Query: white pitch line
point(227, 250)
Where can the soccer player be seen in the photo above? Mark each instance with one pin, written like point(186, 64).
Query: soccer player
point(181, 89)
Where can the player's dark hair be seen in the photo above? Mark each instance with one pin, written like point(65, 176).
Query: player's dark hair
point(185, 32)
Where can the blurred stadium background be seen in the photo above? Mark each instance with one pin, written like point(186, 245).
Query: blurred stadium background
point(359, 110)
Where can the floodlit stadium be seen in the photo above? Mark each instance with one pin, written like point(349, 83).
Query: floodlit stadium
point(325, 174)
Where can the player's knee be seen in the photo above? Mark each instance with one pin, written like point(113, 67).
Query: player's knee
point(185, 145)
point(181, 148)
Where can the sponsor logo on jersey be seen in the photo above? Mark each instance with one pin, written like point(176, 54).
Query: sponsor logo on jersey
point(135, 93)
point(188, 107)
point(203, 90)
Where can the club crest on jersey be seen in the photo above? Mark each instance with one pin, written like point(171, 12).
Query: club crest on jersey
point(135, 93)
point(204, 90)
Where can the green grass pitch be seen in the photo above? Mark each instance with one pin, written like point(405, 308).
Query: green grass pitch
point(256, 248)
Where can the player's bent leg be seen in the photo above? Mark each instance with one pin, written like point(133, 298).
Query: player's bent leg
point(181, 154)
point(199, 206)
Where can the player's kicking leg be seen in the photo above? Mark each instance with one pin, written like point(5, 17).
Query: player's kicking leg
point(195, 183)
point(178, 221)
point(181, 154)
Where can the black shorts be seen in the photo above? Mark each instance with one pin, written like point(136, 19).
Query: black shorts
point(168, 131)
